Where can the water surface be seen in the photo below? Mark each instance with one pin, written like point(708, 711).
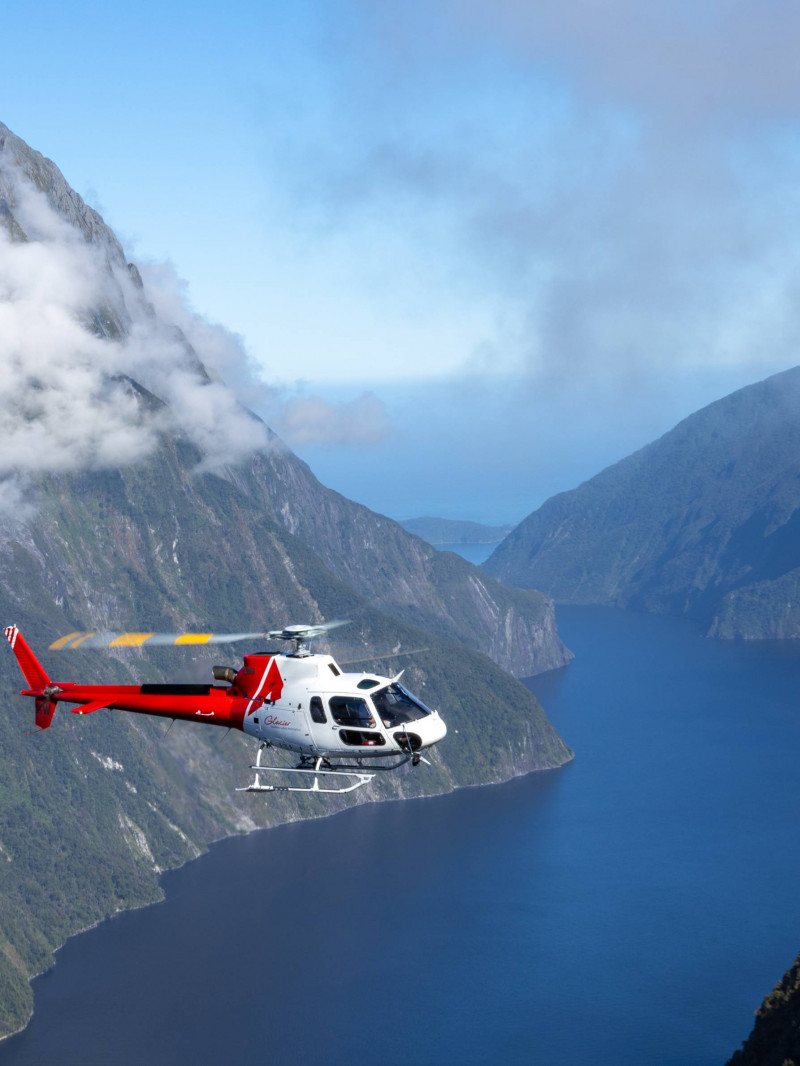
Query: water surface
point(473, 553)
point(629, 909)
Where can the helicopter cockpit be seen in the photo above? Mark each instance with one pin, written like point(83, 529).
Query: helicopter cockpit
point(396, 706)
point(379, 706)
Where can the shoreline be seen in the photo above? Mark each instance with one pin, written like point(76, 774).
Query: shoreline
point(263, 829)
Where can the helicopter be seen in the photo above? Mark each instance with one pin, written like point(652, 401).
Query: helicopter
point(339, 724)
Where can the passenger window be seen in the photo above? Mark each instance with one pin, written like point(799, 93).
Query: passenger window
point(317, 710)
point(350, 710)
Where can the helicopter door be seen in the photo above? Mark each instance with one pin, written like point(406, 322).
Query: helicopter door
point(318, 719)
point(299, 725)
point(305, 724)
point(286, 726)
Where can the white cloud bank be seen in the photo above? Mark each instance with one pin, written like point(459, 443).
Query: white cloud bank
point(363, 421)
point(77, 325)
point(615, 182)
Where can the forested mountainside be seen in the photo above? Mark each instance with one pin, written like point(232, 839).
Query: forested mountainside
point(775, 1039)
point(144, 497)
point(703, 522)
point(405, 575)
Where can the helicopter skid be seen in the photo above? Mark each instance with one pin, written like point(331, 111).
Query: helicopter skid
point(318, 770)
point(257, 786)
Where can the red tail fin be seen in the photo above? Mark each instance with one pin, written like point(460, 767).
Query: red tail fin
point(28, 663)
point(44, 712)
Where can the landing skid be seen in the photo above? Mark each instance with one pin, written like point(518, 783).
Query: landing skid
point(316, 768)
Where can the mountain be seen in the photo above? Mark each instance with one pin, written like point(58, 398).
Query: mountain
point(135, 491)
point(703, 522)
point(775, 1039)
point(440, 531)
point(406, 576)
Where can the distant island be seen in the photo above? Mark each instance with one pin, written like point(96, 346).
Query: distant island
point(441, 531)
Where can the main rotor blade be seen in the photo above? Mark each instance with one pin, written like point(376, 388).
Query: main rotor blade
point(102, 639)
point(97, 639)
point(383, 655)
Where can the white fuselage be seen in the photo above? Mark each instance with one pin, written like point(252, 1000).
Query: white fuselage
point(323, 712)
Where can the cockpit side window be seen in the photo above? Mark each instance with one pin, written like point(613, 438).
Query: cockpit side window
point(350, 710)
point(396, 706)
point(317, 710)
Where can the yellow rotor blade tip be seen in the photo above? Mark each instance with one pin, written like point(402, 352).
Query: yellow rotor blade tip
point(129, 640)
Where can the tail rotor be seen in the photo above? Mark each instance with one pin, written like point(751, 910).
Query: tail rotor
point(41, 687)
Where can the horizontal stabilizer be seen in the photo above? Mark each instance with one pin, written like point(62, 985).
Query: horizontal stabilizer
point(87, 708)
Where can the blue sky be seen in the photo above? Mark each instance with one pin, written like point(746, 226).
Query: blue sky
point(537, 235)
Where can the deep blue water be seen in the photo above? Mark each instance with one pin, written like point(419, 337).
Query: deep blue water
point(630, 909)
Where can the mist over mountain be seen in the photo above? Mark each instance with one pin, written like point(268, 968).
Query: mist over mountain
point(703, 522)
point(136, 489)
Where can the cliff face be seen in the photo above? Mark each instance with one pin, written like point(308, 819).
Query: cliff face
point(194, 529)
point(702, 522)
point(406, 576)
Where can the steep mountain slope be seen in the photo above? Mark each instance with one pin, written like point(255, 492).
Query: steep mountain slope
point(123, 505)
point(702, 522)
point(513, 627)
point(408, 577)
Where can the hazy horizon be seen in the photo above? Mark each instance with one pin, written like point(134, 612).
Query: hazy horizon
point(490, 457)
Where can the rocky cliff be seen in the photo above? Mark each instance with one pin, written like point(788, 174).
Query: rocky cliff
point(775, 1039)
point(135, 491)
point(702, 522)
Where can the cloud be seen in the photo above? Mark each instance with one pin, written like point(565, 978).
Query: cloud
point(704, 60)
point(76, 326)
point(615, 180)
point(306, 420)
point(696, 59)
point(80, 329)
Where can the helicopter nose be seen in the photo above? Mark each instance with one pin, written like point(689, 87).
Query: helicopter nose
point(434, 731)
point(423, 733)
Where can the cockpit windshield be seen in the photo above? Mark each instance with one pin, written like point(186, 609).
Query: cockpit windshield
point(396, 706)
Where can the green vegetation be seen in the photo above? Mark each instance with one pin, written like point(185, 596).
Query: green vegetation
point(775, 1039)
point(94, 808)
point(79, 840)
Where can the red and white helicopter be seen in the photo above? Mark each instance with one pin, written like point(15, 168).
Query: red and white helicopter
point(339, 724)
